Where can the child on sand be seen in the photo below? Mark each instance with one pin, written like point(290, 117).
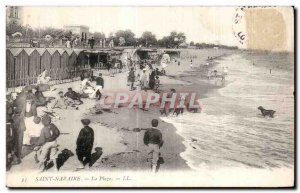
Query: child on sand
point(47, 143)
point(153, 139)
point(85, 143)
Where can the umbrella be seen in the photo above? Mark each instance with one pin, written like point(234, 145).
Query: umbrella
point(43, 87)
point(49, 37)
point(17, 34)
point(29, 87)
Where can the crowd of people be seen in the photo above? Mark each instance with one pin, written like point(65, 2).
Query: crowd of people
point(77, 42)
point(27, 128)
point(143, 76)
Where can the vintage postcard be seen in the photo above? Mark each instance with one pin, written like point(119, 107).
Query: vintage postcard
point(150, 96)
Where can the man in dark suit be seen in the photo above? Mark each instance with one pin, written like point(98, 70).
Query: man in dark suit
point(85, 142)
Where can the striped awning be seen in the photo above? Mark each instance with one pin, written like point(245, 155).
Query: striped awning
point(61, 51)
point(15, 51)
point(51, 50)
point(69, 51)
point(41, 51)
point(29, 50)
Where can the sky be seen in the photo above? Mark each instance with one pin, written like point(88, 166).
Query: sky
point(200, 24)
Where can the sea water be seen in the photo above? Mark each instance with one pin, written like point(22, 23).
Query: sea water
point(230, 131)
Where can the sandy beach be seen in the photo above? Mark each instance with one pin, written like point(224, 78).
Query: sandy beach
point(124, 149)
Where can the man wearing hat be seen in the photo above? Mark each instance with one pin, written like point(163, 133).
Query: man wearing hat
point(85, 143)
point(92, 42)
point(47, 143)
point(131, 78)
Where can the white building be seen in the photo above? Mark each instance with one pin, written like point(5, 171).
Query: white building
point(81, 30)
point(14, 14)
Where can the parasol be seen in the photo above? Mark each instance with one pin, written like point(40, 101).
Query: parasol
point(17, 34)
point(29, 87)
point(43, 87)
point(48, 37)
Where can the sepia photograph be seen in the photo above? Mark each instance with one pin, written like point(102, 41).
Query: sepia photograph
point(150, 96)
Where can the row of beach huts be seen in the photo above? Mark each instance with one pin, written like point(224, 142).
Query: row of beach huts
point(23, 64)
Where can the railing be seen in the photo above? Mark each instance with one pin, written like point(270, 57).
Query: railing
point(57, 76)
point(58, 43)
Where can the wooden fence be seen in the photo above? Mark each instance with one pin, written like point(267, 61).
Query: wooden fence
point(57, 76)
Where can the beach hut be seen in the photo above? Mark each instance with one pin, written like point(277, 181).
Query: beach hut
point(44, 60)
point(55, 62)
point(64, 61)
point(11, 62)
point(72, 58)
point(79, 62)
point(55, 58)
point(64, 68)
point(33, 61)
point(18, 66)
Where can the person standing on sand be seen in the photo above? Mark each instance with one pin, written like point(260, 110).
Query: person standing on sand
point(144, 80)
point(99, 86)
point(152, 79)
point(156, 84)
point(153, 140)
point(191, 65)
point(85, 142)
point(167, 109)
point(131, 78)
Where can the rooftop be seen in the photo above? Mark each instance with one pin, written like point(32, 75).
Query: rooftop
point(76, 25)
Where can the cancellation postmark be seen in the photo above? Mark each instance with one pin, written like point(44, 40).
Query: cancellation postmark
point(239, 25)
